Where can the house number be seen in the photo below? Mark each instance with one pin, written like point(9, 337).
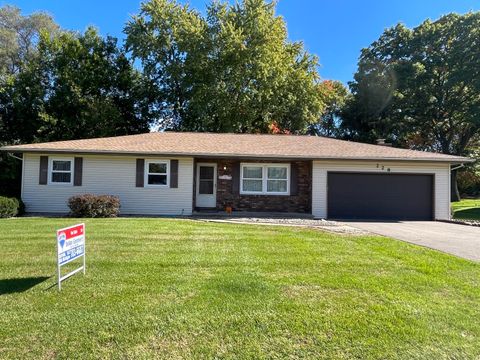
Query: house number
point(382, 167)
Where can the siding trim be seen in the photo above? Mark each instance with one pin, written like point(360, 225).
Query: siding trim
point(24, 157)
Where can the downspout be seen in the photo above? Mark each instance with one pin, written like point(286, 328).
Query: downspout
point(454, 189)
point(15, 157)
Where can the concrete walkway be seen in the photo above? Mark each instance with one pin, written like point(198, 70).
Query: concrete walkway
point(455, 239)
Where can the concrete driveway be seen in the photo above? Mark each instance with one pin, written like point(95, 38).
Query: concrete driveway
point(455, 239)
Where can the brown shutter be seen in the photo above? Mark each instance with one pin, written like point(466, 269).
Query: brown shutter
point(174, 173)
point(43, 175)
point(293, 179)
point(140, 172)
point(77, 171)
point(236, 178)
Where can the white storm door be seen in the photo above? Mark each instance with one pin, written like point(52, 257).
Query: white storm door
point(206, 185)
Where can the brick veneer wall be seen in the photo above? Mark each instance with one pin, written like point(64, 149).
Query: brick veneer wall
point(301, 202)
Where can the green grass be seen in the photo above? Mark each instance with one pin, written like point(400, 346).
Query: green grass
point(179, 289)
point(467, 209)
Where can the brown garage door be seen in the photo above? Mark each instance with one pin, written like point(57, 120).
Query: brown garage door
point(380, 196)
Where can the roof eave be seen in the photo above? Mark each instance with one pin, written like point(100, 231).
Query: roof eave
point(453, 160)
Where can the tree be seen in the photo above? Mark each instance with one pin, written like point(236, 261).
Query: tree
point(79, 86)
point(19, 36)
point(232, 70)
point(420, 88)
point(333, 95)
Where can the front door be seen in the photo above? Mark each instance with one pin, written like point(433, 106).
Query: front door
point(206, 185)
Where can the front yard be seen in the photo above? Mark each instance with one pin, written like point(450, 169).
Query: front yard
point(185, 289)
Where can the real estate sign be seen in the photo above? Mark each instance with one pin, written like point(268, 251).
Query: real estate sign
point(70, 246)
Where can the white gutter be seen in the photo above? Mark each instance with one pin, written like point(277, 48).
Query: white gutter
point(15, 157)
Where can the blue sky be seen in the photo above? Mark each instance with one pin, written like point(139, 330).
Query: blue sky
point(335, 30)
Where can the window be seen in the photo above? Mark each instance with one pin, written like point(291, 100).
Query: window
point(252, 178)
point(265, 179)
point(206, 179)
point(277, 179)
point(156, 172)
point(61, 171)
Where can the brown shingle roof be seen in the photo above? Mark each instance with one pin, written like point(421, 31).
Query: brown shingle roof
point(235, 145)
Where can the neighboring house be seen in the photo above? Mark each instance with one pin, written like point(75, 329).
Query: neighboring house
point(177, 173)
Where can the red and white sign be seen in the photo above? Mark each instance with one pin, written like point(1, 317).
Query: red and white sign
point(70, 246)
point(72, 231)
point(70, 243)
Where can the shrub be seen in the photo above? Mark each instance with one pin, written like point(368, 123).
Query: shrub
point(21, 207)
point(94, 206)
point(8, 207)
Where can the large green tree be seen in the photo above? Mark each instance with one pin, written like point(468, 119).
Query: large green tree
point(78, 86)
point(232, 70)
point(420, 87)
point(333, 95)
point(19, 36)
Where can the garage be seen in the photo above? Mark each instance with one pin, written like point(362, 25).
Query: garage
point(386, 196)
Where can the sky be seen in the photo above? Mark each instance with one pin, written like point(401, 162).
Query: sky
point(334, 30)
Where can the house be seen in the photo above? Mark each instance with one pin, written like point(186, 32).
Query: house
point(169, 173)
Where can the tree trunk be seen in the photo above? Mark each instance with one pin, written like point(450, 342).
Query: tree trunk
point(455, 194)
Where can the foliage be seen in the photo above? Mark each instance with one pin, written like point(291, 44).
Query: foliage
point(420, 88)
point(10, 174)
point(232, 70)
point(94, 206)
point(182, 289)
point(79, 86)
point(333, 95)
point(469, 176)
point(9, 207)
point(21, 207)
point(18, 38)
point(469, 183)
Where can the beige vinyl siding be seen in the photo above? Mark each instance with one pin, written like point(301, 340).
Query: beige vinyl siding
point(441, 186)
point(113, 175)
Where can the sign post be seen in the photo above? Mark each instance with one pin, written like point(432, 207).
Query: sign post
point(70, 246)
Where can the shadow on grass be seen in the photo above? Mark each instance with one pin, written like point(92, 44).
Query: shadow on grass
point(17, 285)
point(468, 214)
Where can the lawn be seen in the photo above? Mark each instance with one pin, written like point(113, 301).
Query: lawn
point(180, 289)
point(467, 209)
